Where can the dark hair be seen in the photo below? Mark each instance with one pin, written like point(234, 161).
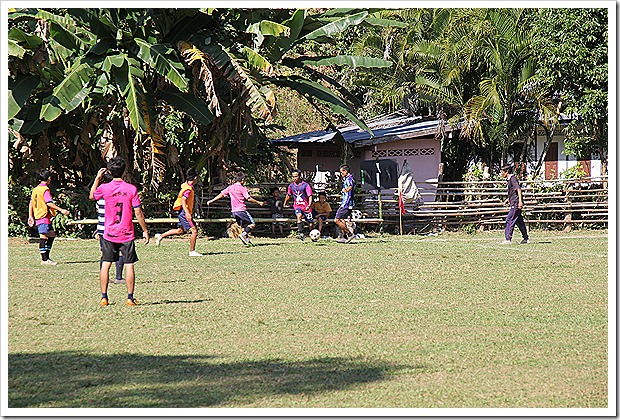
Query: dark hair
point(239, 177)
point(190, 174)
point(107, 177)
point(507, 168)
point(345, 167)
point(322, 193)
point(116, 166)
point(44, 174)
point(274, 189)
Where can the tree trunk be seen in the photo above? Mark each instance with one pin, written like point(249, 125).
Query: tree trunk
point(543, 155)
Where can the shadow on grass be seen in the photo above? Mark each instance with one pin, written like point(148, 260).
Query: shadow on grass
point(69, 379)
point(255, 244)
point(79, 262)
point(165, 302)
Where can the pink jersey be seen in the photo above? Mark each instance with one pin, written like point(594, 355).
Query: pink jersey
point(238, 194)
point(120, 199)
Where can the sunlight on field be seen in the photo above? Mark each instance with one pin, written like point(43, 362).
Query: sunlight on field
point(449, 321)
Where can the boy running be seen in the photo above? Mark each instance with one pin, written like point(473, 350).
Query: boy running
point(346, 205)
point(120, 197)
point(238, 195)
point(302, 202)
point(184, 204)
point(41, 209)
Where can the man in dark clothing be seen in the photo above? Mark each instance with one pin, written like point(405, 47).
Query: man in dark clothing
point(515, 199)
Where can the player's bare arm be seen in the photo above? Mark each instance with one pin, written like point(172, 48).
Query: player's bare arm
point(145, 231)
point(217, 197)
point(96, 182)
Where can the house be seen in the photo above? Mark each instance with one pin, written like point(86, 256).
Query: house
point(397, 137)
point(557, 160)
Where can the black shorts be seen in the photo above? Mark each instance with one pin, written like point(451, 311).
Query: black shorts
point(110, 250)
point(243, 218)
point(342, 213)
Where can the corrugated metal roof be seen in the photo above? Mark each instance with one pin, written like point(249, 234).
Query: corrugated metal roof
point(390, 128)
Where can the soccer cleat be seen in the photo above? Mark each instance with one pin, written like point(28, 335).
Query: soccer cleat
point(349, 238)
point(195, 254)
point(244, 238)
point(341, 240)
point(505, 242)
point(157, 239)
point(132, 302)
point(301, 237)
point(49, 262)
point(103, 302)
point(525, 241)
point(119, 281)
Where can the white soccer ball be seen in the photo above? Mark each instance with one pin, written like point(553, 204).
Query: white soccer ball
point(315, 234)
point(356, 214)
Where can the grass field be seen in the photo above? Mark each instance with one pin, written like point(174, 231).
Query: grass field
point(450, 321)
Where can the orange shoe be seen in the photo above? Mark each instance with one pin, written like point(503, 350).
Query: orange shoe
point(132, 302)
point(103, 302)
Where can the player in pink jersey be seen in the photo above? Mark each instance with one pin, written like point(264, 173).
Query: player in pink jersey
point(238, 195)
point(301, 192)
point(120, 198)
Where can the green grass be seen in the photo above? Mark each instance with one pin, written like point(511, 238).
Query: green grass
point(448, 321)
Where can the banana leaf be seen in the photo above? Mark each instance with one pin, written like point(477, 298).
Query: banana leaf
point(15, 50)
point(69, 93)
point(132, 92)
point(19, 92)
point(339, 60)
point(323, 95)
point(337, 26)
point(155, 56)
point(189, 104)
point(32, 41)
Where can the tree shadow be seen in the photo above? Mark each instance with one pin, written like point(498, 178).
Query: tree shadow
point(71, 379)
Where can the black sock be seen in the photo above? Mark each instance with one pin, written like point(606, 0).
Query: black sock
point(130, 296)
point(50, 241)
point(43, 249)
point(104, 295)
point(300, 228)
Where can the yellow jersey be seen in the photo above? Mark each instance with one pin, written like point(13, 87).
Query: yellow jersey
point(39, 205)
point(178, 204)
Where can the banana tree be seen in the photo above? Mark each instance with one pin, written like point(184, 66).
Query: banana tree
point(117, 72)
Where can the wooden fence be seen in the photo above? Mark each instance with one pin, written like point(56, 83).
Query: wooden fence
point(556, 204)
point(481, 204)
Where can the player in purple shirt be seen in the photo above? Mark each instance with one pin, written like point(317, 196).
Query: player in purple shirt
point(515, 216)
point(120, 199)
point(301, 192)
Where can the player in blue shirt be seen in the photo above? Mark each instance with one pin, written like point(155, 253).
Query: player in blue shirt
point(346, 204)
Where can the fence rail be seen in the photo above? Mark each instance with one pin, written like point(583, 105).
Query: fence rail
point(559, 203)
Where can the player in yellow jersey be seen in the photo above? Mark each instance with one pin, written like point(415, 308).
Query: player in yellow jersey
point(41, 209)
point(184, 204)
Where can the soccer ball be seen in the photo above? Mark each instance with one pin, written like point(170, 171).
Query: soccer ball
point(356, 214)
point(315, 235)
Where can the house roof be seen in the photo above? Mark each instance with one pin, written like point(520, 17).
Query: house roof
point(392, 127)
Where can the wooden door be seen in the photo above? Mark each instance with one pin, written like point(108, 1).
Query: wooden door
point(551, 161)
